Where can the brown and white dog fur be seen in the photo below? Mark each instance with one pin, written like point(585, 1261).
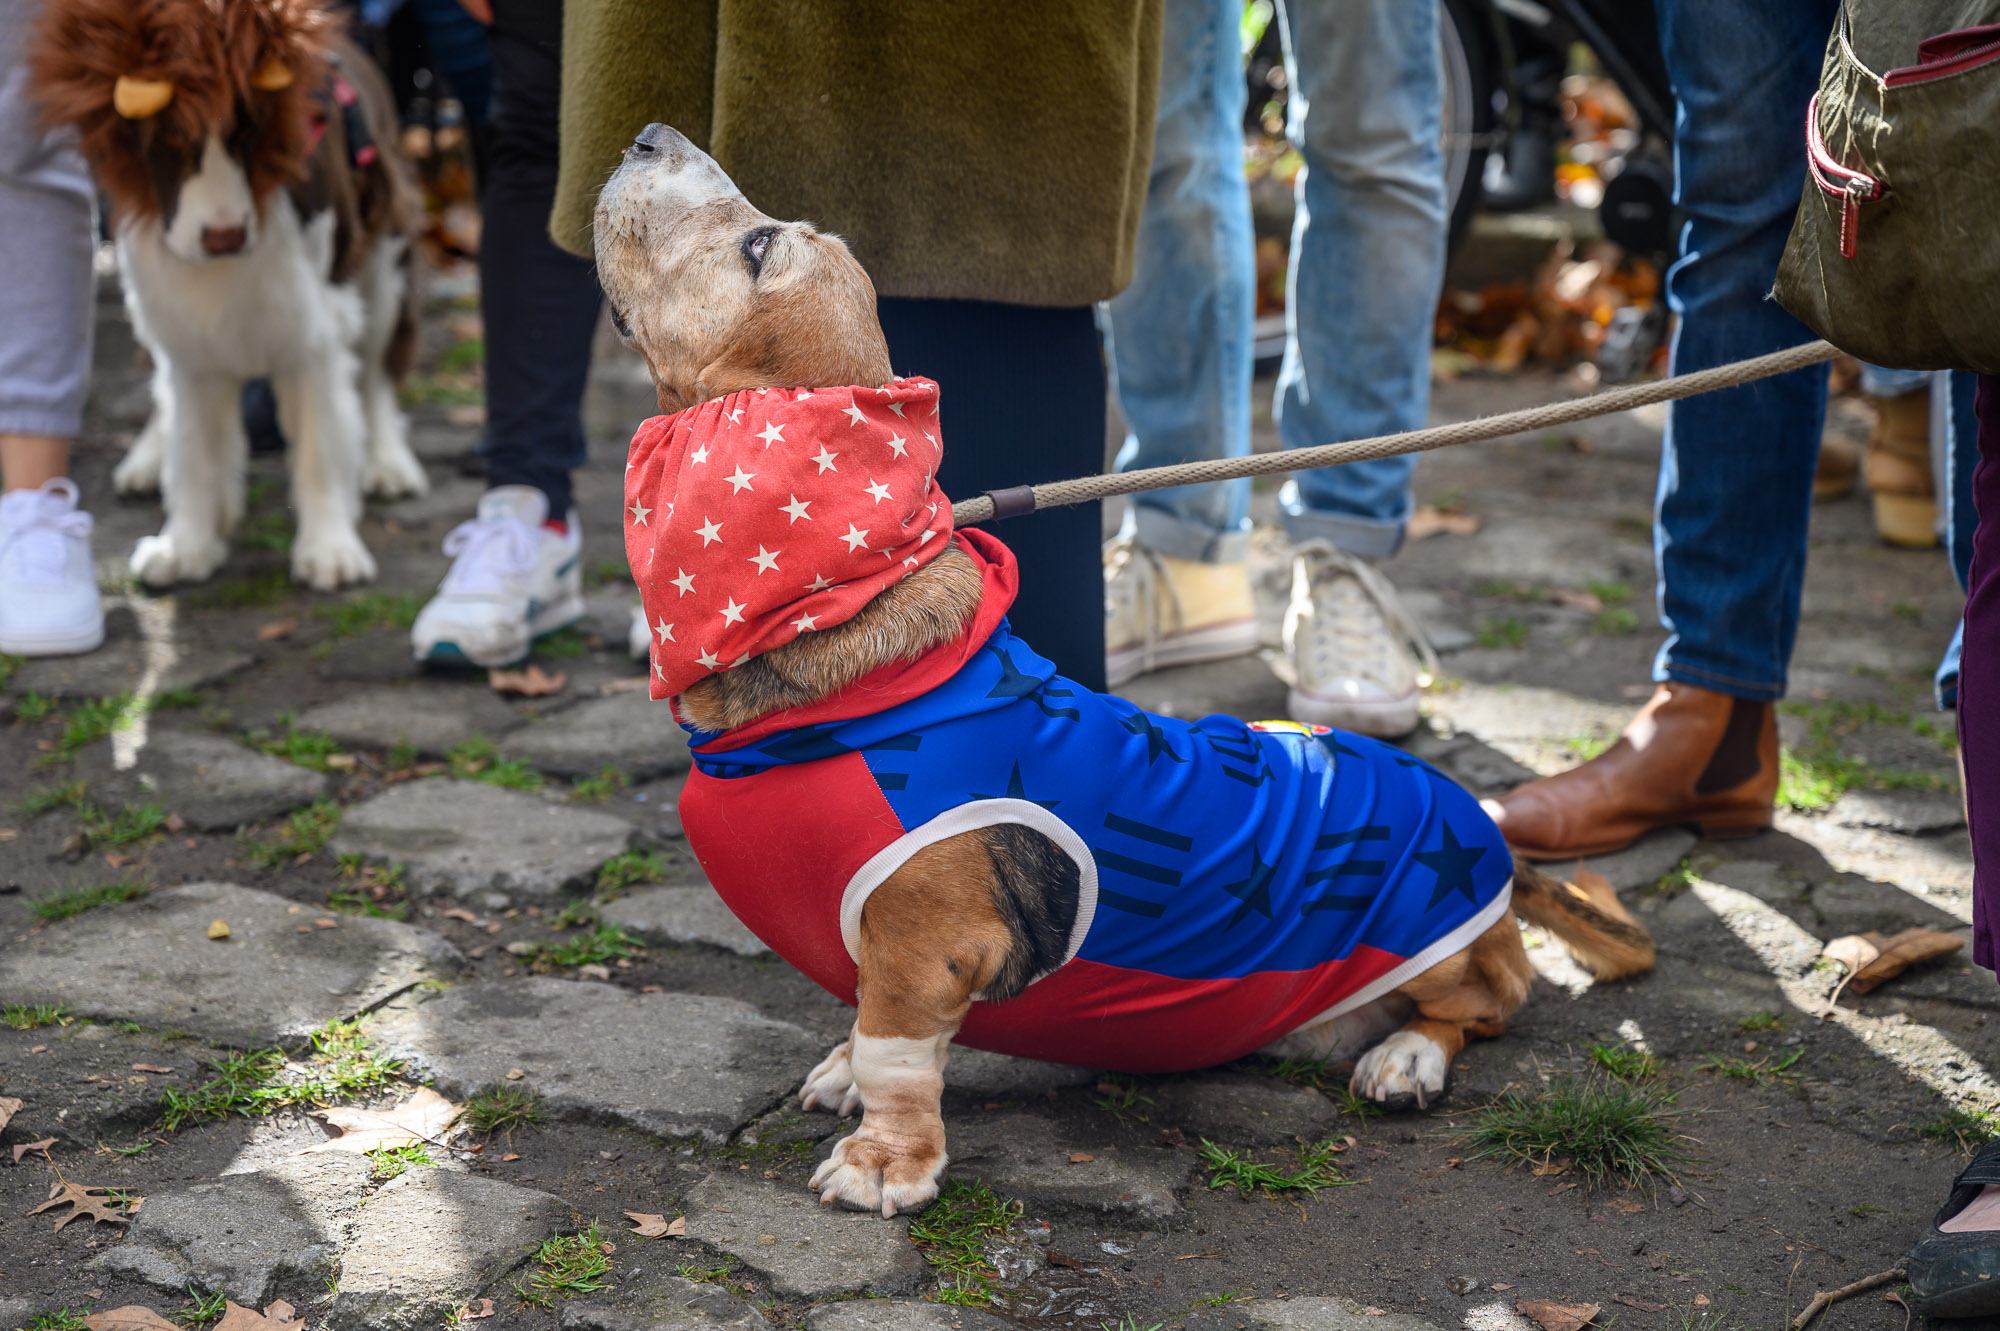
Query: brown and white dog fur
point(718, 297)
point(248, 250)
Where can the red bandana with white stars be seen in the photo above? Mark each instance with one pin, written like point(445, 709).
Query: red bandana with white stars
point(778, 511)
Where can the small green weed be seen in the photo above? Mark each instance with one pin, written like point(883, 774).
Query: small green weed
point(478, 760)
point(55, 797)
point(629, 869)
point(370, 610)
point(1967, 1127)
point(1585, 747)
point(568, 1265)
point(599, 788)
point(302, 748)
point(606, 573)
point(605, 943)
point(574, 915)
point(465, 354)
point(561, 644)
point(29, 1016)
point(1242, 1171)
point(1763, 1072)
point(8, 665)
point(355, 903)
point(1816, 773)
point(60, 1319)
point(502, 1109)
point(136, 1149)
point(402, 754)
point(174, 700)
point(265, 588)
point(1222, 1300)
point(1506, 589)
point(1507, 631)
point(1355, 1106)
point(722, 1275)
point(1863, 1209)
point(1606, 1129)
point(393, 1161)
point(88, 722)
point(952, 1234)
point(203, 1310)
point(128, 827)
point(1616, 616)
point(1768, 1020)
point(344, 1063)
point(1675, 880)
point(76, 901)
point(32, 707)
point(1118, 1095)
point(1625, 1063)
point(304, 832)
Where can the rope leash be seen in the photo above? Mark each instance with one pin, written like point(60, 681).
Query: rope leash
point(1019, 499)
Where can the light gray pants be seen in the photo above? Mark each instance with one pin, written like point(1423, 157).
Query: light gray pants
point(46, 240)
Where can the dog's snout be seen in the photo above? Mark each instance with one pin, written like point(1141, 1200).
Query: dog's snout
point(221, 240)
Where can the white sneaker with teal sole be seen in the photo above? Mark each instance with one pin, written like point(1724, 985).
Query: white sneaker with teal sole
point(48, 583)
point(512, 580)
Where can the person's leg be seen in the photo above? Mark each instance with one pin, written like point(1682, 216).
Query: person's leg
point(1736, 466)
point(515, 574)
point(1367, 263)
point(1961, 517)
point(981, 354)
point(48, 584)
point(1176, 580)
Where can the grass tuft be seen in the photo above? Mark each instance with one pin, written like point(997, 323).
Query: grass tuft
point(370, 610)
point(344, 1063)
point(302, 748)
point(29, 1016)
point(45, 798)
point(394, 1161)
point(629, 869)
point(567, 1265)
point(599, 788)
point(304, 832)
point(502, 1109)
point(1967, 1127)
point(32, 707)
point(952, 1234)
point(203, 1310)
point(58, 1319)
point(601, 945)
point(478, 760)
point(63, 905)
point(1505, 632)
point(1763, 1072)
point(1625, 1063)
point(1607, 1130)
point(1764, 1021)
point(1242, 1170)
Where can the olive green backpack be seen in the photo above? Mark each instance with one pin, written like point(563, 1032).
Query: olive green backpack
point(1895, 255)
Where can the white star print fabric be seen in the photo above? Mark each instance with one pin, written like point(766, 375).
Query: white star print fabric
point(776, 511)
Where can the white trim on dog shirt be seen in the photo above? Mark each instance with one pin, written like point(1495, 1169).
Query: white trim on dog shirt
point(971, 817)
point(1456, 941)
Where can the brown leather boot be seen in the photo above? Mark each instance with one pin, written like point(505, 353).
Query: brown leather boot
point(1689, 756)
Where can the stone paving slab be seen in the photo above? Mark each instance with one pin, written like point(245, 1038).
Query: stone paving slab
point(430, 1240)
point(216, 784)
point(152, 961)
point(1313, 1313)
point(628, 731)
point(800, 1247)
point(435, 718)
point(1910, 812)
point(466, 839)
point(1022, 1156)
point(1236, 1110)
point(675, 1065)
point(646, 1301)
point(899, 1315)
point(981, 1072)
point(684, 913)
point(1642, 863)
point(273, 1234)
point(119, 665)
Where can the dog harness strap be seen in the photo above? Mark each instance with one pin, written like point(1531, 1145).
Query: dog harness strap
point(1013, 501)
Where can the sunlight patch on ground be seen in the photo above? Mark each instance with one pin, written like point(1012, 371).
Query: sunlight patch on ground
point(1788, 952)
point(156, 636)
point(1630, 1032)
point(1496, 1316)
point(1935, 870)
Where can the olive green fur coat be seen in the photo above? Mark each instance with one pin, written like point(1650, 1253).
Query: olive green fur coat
point(966, 149)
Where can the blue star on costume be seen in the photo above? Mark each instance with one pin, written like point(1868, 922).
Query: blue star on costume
point(1452, 863)
point(1015, 791)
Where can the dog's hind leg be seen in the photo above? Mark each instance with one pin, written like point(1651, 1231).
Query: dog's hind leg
point(320, 412)
point(388, 341)
point(1469, 993)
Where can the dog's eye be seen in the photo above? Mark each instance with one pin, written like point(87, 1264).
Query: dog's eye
point(618, 322)
point(756, 245)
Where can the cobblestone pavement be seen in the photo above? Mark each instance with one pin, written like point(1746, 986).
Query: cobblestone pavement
point(415, 854)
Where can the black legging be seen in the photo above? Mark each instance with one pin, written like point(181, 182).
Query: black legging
point(539, 302)
point(1022, 393)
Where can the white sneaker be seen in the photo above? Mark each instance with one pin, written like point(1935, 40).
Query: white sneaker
point(1357, 656)
point(1161, 611)
point(639, 638)
point(512, 580)
point(48, 582)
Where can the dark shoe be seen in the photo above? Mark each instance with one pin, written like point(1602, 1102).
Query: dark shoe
point(1958, 1275)
point(1689, 756)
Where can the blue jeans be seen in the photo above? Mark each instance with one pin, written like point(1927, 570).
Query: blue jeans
point(1736, 467)
point(1367, 264)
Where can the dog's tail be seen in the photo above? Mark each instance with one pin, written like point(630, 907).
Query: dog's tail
point(1589, 918)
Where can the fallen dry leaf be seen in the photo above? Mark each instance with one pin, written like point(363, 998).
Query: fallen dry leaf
point(218, 930)
point(9, 1106)
point(511, 1155)
point(460, 913)
point(1701, 1300)
point(84, 1203)
point(1549, 1168)
point(1631, 1302)
point(1427, 522)
point(175, 823)
point(1577, 600)
point(1872, 958)
point(1557, 1316)
point(24, 1147)
point(1625, 1204)
point(8, 833)
point(129, 1318)
point(1081, 1157)
point(149, 1067)
point(1497, 1285)
point(650, 1226)
point(276, 629)
point(424, 1117)
point(514, 1074)
point(529, 683)
point(475, 1310)
point(235, 1317)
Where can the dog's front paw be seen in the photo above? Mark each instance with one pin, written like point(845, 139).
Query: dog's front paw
point(830, 1086)
point(865, 1172)
point(138, 472)
point(394, 473)
point(330, 557)
point(163, 560)
point(1404, 1070)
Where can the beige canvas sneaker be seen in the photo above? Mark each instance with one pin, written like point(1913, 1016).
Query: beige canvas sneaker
point(1358, 658)
point(1162, 611)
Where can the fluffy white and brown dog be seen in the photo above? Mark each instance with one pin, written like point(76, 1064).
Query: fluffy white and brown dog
point(262, 221)
point(910, 805)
